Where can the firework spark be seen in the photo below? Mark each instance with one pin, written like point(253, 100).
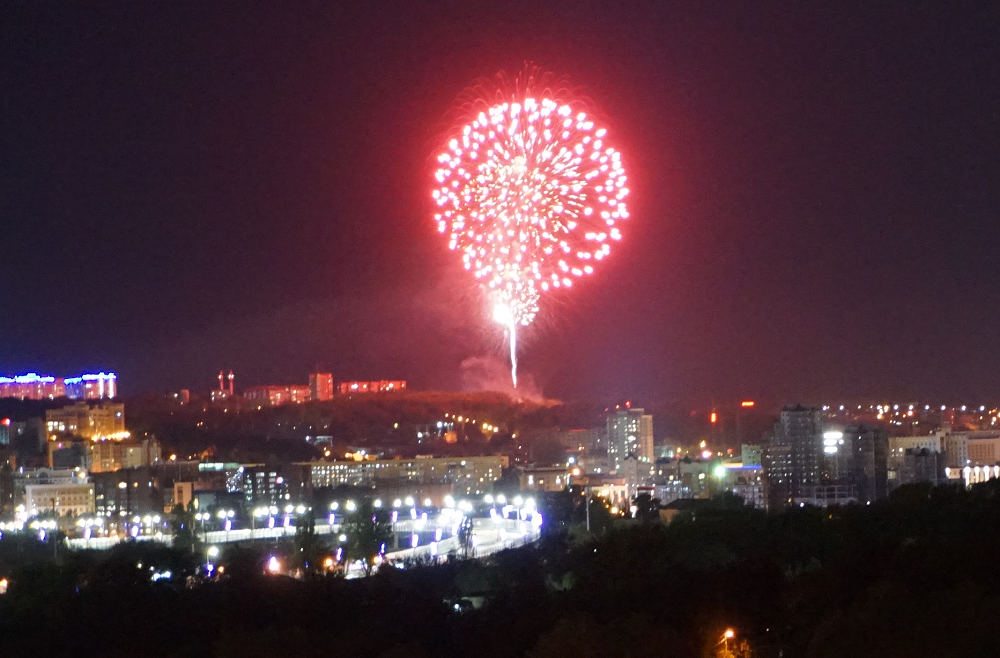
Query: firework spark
point(531, 194)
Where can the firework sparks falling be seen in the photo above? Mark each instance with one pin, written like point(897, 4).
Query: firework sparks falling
point(531, 194)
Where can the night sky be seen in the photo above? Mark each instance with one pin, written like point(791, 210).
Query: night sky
point(815, 196)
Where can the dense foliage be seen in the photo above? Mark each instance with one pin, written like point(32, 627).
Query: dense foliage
point(914, 576)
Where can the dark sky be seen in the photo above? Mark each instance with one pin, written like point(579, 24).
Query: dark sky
point(815, 195)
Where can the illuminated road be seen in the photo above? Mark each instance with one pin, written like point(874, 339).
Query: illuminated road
point(489, 535)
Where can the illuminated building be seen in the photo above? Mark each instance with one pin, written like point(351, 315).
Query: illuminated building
point(812, 464)
point(32, 386)
point(273, 485)
point(630, 432)
point(128, 491)
point(545, 478)
point(108, 456)
point(795, 455)
point(468, 475)
point(381, 386)
point(101, 386)
point(64, 492)
point(102, 421)
point(320, 386)
point(932, 442)
point(61, 499)
point(746, 480)
point(275, 396)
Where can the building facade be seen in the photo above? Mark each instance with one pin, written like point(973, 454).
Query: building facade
point(64, 499)
point(467, 475)
point(102, 421)
point(794, 462)
point(102, 386)
point(275, 396)
point(630, 432)
point(320, 386)
point(381, 386)
point(33, 386)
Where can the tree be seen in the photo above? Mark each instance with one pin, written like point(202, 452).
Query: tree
point(465, 536)
point(182, 527)
point(647, 508)
point(367, 528)
point(308, 545)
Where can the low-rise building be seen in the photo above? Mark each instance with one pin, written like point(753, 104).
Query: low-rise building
point(381, 386)
point(467, 475)
point(915, 465)
point(64, 499)
point(743, 480)
point(128, 491)
point(275, 396)
point(545, 478)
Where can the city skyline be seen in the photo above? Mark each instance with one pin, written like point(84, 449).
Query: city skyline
point(810, 210)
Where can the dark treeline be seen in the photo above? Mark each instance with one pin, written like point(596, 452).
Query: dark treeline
point(914, 576)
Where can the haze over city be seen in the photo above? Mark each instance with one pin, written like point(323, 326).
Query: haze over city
point(812, 190)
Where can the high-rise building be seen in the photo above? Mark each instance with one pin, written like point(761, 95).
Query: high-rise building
point(808, 463)
point(320, 386)
point(869, 461)
point(795, 459)
point(102, 386)
point(630, 432)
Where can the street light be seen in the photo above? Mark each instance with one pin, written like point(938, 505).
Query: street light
point(213, 552)
point(726, 636)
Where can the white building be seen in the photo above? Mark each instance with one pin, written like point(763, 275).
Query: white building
point(467, 475)
point(64, 499)
point(630, 432)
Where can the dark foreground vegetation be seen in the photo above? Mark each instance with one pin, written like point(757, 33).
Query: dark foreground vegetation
point(915, 576)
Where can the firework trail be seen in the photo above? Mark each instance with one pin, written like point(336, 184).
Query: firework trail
point(530, 193)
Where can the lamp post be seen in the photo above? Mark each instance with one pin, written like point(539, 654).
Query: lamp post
point(726, 636)
point(213, 552)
